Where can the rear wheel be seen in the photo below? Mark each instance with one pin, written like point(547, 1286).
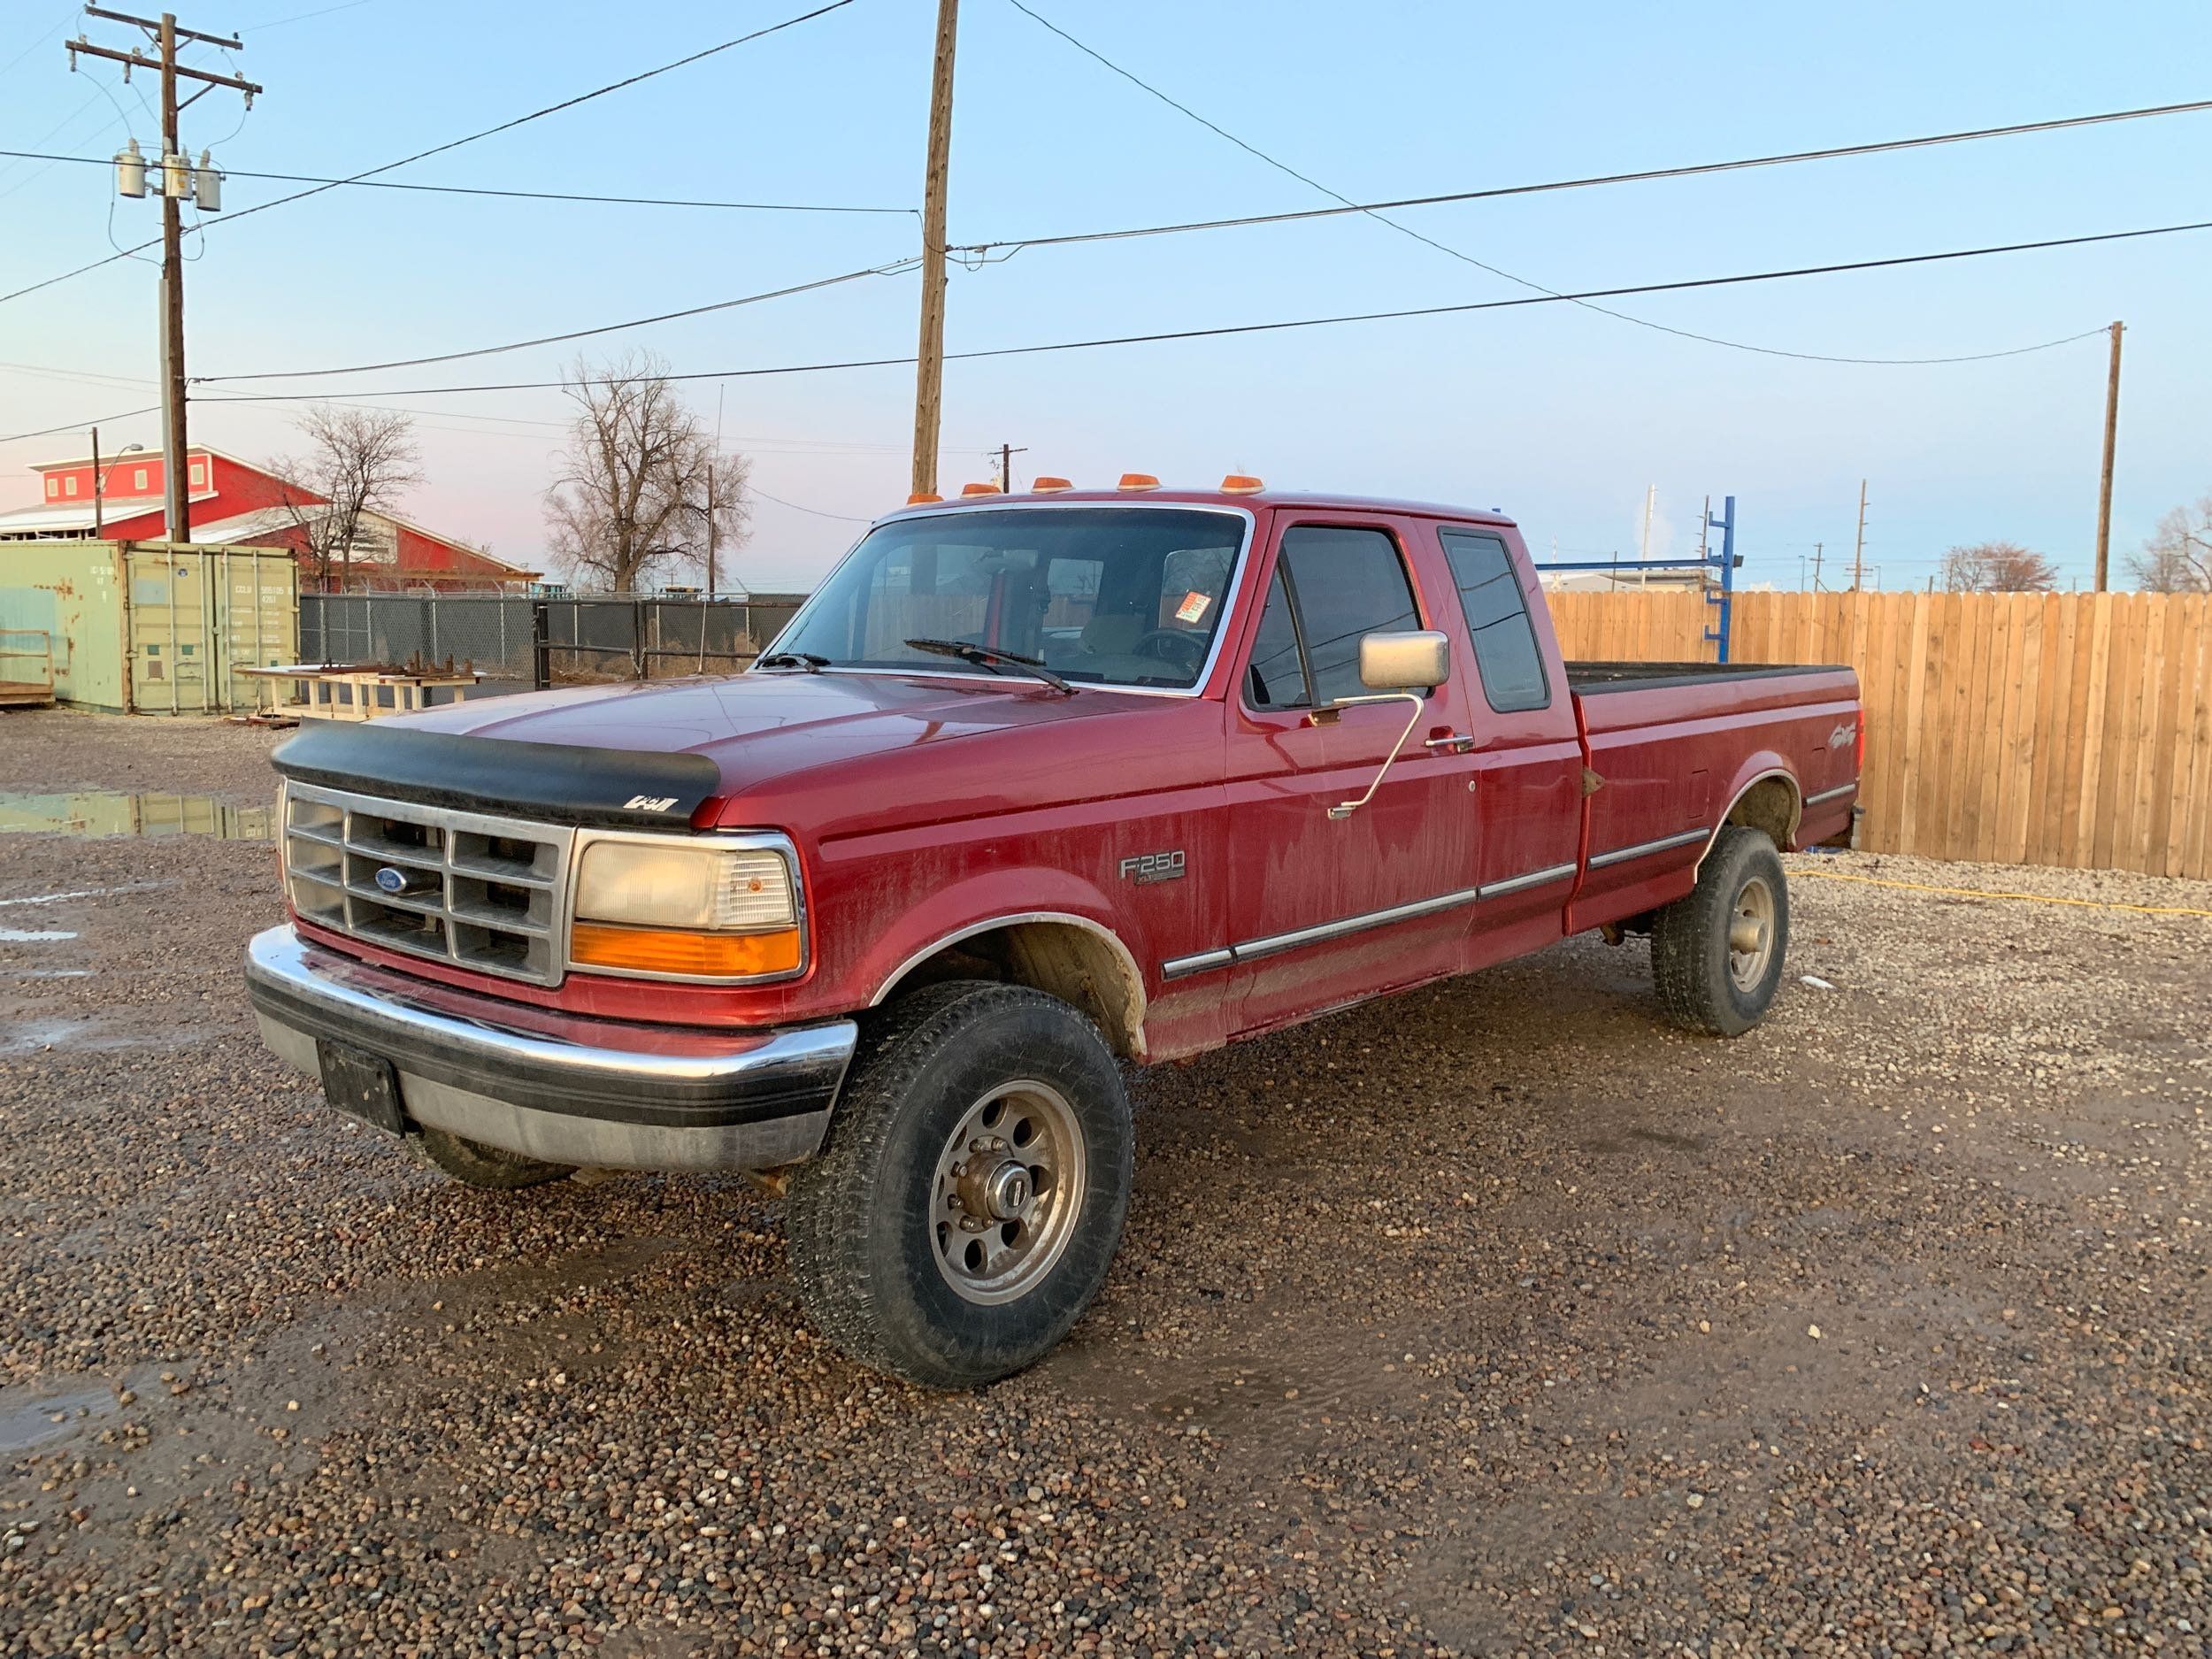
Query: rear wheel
point(970, 1196)
point(1717, 954)
point(476, 1165)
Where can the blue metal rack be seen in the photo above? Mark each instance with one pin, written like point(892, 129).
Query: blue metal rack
point(1720, 592)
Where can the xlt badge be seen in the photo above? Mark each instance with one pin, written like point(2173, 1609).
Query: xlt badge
point(1146, 867)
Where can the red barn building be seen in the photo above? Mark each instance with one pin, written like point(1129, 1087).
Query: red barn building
point(235, 502)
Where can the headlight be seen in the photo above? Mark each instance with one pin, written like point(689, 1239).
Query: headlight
point(700, 911)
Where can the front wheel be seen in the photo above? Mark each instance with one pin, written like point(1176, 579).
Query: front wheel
point(971, 1192)
point(1717, 954)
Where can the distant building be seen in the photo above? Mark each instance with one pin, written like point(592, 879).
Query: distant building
point(1676, 582)
point(233, 501)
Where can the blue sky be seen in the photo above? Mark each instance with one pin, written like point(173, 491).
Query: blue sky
point(1559, 416)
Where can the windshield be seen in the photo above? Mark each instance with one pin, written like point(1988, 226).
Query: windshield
point(1101, 596)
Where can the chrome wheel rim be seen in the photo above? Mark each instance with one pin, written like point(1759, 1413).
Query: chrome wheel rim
point(1751, 934)
point(1008, 1189)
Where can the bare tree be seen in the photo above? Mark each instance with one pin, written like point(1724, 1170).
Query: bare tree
point(2177, 559)
point(358, 461)
point(640, 480)
point(1998, 567)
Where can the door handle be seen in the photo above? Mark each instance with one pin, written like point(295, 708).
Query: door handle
point(1450, 743)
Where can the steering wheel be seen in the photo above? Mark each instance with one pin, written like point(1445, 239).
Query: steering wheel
point(1184, 650)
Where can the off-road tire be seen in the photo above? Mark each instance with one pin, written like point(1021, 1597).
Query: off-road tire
point(862, 1219)
point(475, 1164)
point(1690, 951)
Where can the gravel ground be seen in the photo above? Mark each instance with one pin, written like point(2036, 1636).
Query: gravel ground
point(1498, 1318)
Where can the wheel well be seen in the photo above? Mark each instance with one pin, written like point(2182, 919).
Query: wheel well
point(1085, 967)
point(1770, 804)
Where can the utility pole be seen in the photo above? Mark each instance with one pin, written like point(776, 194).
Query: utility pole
point(179, 179)
point(1651, 498)
point(1858, 548)
point(712, 539)
point(2111, 434)
point(1816, 552)
point(176, 487)
point(1006, 454)
point(929, 366)
point(98, 491)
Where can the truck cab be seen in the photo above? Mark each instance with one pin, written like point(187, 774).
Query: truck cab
point(1033, 789)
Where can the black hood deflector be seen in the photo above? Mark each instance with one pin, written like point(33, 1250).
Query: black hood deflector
point(555, 783)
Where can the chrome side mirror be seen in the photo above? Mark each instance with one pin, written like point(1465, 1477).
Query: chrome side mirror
point(1419, 659)
point(1400, 666)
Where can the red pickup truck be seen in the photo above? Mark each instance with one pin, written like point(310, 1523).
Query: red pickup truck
point(1032, 788)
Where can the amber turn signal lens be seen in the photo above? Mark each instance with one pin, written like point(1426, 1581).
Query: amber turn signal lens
point(663, 950)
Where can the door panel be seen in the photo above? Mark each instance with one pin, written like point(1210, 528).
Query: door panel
point(1527, 754)
point(1328, 911)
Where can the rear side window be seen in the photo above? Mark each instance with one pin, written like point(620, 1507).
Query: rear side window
point(1333, 586)
point(1506, 655)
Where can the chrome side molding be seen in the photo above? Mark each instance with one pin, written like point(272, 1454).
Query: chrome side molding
point(1644, 849)
point(1273, 944)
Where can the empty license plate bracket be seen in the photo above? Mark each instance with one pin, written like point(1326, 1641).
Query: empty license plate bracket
point(362, 1084)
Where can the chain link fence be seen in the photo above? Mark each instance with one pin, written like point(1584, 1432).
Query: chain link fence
point(521, 643)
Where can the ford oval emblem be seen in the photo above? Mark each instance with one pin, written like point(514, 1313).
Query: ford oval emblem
point(392, 880)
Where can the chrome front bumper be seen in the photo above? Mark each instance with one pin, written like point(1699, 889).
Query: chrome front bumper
point(604, 1093)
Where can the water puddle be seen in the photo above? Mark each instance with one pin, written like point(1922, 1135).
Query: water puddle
point(33, 936)
point(32, 1423)
point(91, 812)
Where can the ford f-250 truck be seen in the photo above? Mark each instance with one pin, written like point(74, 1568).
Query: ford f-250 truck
point(1034, 788)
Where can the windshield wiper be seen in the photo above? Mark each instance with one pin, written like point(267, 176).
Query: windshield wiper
point(807, 660)
point(990, 657)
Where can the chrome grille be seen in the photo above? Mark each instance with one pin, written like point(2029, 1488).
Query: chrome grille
point(488, 893)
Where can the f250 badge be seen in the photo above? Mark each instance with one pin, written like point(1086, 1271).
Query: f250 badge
point(649, 803)
point(1149, 867)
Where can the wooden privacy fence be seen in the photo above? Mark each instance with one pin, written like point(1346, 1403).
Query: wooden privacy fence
point(2072, 729)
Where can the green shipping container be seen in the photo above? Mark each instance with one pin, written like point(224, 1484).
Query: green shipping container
point(155, 627)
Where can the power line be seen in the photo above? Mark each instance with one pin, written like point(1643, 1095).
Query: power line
point(439, 149)
point(754, 489)
point(301, 16)
point(1781, 159)
point(773, 444)
point(79, 425)
point(1223, 330)
point(1348, 205)
point(471, 189)
point(68, 17)
point(893, 268)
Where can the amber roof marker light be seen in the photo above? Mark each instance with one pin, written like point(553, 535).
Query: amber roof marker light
point(1139, 480)
point(981, 489)
point(1046, 485)
point(1242, 484)
point(923, 498)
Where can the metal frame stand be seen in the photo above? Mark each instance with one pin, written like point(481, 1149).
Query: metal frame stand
point(1720, 587)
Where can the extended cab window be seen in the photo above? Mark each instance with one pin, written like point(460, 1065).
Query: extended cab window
point(1506, 655)
point(1106, 595)
point(1334, 585)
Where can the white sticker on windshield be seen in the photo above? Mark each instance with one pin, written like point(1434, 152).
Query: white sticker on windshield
point(1194, 606)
